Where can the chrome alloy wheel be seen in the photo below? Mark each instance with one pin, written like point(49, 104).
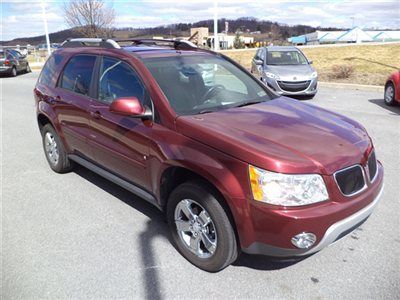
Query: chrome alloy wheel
point(51, 148)
point(389, 93)
point(195, 228)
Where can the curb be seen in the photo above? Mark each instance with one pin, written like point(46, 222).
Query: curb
point(376, 88)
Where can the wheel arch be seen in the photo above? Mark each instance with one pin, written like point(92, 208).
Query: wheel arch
point(173, 176)
point(42, 120)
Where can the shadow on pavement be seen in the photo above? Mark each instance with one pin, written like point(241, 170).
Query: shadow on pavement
point(302, 97)
point(155, 227)
point(264, 263)
point(395, 110)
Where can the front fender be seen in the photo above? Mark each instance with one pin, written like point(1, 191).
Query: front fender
point(227, 174)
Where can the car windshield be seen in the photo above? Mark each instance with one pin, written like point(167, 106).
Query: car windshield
point(286, 58)
point(202, 83)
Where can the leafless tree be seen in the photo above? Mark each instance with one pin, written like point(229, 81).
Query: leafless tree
point(92, 18)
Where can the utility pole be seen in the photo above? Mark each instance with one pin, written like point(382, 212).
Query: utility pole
point(216, 41)
point(46, 28)
point(352, 24)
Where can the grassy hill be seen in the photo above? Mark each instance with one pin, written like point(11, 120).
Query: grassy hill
point(371, 64)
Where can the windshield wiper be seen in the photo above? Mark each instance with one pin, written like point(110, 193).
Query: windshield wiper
point(206, 111)
point(250, 102)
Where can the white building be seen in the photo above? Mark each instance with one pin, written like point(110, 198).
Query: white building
point(227, 41)
point(354, 35)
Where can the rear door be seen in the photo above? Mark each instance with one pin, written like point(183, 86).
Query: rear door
point(19, 62)
point(72, 101)
point(23, 61)
point(120, 143)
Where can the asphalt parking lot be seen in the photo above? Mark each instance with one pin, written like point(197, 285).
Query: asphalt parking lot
point(79, 236)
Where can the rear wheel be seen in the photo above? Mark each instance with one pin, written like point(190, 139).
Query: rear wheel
point(28, 68)
point(54, 150)
point(14, 71)
point(389, 94)
point(200, 227)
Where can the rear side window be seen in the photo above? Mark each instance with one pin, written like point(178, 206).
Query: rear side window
point(78, 74)
point(11, 55)
point(118, 79)
point(48, 72)
point(16, 54)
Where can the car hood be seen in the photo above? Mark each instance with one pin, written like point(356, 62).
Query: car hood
point(282, 135)
point(292, 72)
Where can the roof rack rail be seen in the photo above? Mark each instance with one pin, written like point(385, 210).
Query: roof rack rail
point(177, 44)
point(90, 42)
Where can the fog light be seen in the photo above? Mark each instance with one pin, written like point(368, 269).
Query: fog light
point(304, 240)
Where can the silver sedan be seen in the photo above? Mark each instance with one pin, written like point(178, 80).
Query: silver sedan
point(285, 70)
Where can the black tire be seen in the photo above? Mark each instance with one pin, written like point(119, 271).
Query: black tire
point(226, 250)
point(13, 72)
point(28, 68)
point(389, 94)
point(62, 164)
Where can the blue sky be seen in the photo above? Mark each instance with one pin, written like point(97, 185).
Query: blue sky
point(24, 18)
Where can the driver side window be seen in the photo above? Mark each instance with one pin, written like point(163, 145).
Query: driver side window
point(117, 80)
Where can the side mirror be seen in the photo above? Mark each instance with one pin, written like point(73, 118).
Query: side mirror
point(258, 62)
point(310, 62)
point(130, 106)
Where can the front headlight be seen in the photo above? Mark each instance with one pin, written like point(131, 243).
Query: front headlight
point(286, 189)
point(314, 74)
point(271, 75)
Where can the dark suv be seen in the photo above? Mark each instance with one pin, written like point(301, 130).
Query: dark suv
point(234, 166)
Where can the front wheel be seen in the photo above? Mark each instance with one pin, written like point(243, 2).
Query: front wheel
point(389, 94)
point(200, 227)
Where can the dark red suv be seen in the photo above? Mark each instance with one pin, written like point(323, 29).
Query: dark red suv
point(234, 166)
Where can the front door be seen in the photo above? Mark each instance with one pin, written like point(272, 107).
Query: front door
point(120, 143)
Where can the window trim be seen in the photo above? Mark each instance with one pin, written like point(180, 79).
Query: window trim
point(97, 78)
point(60, 77)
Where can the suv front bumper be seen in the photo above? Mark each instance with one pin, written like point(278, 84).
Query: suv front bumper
point(309, 89)
point(273, 229)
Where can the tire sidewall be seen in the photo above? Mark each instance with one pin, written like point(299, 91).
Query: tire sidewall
point(14, 72)
point(221, 257)
point(58, 167)
point(391, 102)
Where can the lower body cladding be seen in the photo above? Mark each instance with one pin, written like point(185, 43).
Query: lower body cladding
point(288, 88)
point(304, 231)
